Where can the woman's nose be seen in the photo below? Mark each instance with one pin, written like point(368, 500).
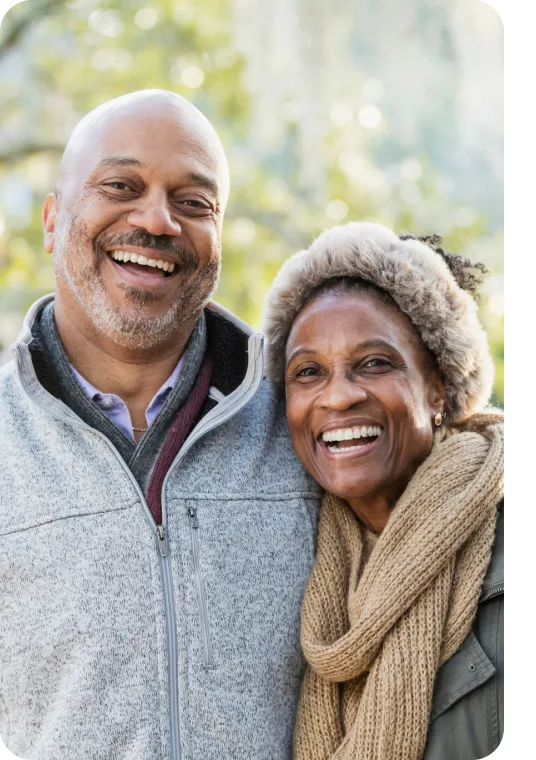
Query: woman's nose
point(342, 392)
point(152, 214)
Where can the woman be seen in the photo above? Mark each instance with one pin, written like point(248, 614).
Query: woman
point(386, 371)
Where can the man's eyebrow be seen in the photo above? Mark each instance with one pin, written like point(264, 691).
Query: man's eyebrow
point(111, 161)
point(201, 179)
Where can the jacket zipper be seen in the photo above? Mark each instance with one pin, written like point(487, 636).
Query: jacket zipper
point(170, 619)
point(208, 661)
point(496, 591)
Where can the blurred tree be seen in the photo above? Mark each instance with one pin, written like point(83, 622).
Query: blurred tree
point(59, 60)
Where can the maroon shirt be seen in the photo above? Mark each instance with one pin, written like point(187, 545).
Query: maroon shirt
point(180, 427)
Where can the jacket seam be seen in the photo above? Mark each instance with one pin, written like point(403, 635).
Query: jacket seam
point(288, 496)
point(494, 691)
point(66, 516)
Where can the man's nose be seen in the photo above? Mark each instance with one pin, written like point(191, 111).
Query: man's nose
point(343, 391)
point(152, 213)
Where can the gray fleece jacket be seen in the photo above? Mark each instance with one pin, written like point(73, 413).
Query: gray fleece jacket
point(123, 641)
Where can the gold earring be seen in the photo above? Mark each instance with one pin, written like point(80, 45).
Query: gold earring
point(438, 419)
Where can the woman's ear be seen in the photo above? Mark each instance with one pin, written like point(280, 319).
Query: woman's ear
point(437, 395)
point(50, 212)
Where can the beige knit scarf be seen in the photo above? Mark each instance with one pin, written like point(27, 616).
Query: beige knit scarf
point(375, 629)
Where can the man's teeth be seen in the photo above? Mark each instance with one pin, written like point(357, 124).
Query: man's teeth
point(347, 434)
point(167, 266)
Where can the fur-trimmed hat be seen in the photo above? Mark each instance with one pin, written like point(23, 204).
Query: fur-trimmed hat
point(417, 279)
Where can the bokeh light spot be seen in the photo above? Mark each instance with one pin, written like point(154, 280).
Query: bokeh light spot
point(370, 116)
point(146, 18)
point(337, 210)
point(192, 76)
point(106, 22)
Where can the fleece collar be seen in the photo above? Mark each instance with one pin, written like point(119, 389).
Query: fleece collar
point(235, 347)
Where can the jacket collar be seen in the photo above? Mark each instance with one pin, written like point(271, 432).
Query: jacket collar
point(236, 350)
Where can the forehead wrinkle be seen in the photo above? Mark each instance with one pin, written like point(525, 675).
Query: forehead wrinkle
point(112, 161)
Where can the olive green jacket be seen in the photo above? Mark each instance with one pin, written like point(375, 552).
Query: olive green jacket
point(467, 707)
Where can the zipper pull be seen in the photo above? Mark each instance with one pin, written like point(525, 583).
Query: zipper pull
point(192, 514)
point(162, 543)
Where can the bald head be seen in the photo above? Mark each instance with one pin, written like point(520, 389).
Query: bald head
point(123, 121)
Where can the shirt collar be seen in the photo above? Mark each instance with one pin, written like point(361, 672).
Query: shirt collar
point(94, 394)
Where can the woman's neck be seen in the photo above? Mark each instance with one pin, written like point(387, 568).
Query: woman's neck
point(373, 514)
point(374, 510)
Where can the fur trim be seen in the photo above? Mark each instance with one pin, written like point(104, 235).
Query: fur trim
point(417, 279)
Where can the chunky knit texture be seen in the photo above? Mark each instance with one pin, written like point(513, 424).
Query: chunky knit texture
point(375, 629)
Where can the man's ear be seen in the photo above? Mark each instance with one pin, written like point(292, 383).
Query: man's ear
point(50, 212)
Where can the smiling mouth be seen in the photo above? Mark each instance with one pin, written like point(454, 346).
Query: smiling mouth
point(143, 265)
point(344, 440)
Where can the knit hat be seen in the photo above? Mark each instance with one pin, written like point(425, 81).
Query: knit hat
point(417, 279)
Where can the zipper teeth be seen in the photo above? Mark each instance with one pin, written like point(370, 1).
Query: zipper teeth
point(173, 664)
point(493, 592)
point(199, 581)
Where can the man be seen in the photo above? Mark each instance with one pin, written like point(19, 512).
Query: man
point(156, 529)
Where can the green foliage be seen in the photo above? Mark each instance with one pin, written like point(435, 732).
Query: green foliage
point(58, 67)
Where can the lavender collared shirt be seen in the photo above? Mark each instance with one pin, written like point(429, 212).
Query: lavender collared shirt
point(116, 409)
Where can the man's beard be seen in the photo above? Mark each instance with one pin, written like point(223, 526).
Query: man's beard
point(134, 329)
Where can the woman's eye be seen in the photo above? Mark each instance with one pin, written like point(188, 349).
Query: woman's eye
point(307, 372)
point(377, 363)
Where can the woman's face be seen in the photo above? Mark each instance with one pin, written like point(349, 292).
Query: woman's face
point(356, 370)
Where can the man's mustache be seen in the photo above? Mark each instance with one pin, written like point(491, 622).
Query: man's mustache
point(143, 239)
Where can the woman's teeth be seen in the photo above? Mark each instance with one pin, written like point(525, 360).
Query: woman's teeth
point(348, 434)
point(135, 258)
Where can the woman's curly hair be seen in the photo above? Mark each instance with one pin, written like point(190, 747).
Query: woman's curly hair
point(469, 276)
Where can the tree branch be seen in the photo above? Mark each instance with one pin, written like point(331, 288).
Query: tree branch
point(23, 151)
point(16, 30)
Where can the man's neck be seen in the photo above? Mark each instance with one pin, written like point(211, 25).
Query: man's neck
point(135, 375)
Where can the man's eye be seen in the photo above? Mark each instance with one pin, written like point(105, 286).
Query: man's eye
point(118, 185)
point(194, 205)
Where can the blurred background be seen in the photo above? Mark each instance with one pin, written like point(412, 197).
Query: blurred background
point(379, 110)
